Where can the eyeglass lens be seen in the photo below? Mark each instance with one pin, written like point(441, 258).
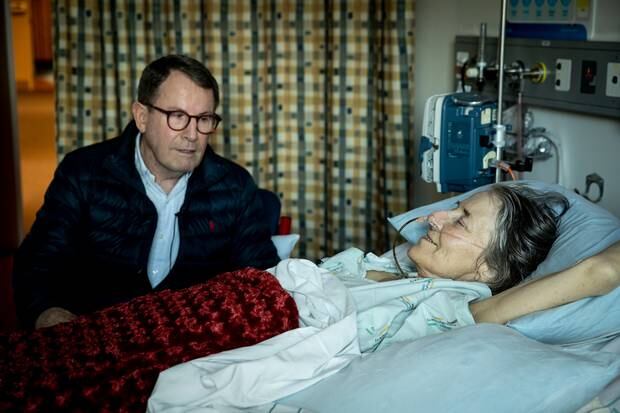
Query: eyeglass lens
point(179, 121)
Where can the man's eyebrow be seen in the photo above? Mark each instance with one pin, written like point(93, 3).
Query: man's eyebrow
point(177, 109)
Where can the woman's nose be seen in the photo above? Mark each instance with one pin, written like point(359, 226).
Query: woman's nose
point(437, 219)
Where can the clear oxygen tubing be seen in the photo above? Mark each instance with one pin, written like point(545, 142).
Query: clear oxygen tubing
point(500, 137)
point(399, 233)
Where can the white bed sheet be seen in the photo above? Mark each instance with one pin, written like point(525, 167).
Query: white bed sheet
point(608, 400)
point(335, 322)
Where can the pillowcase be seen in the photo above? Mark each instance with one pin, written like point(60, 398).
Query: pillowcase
point(585, 230)
point(284, 244)
point(584, 322)
point(480, 368)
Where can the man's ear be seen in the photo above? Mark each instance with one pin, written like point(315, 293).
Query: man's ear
point(140, 115)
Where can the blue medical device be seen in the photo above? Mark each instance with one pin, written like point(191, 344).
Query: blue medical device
point(456, 149)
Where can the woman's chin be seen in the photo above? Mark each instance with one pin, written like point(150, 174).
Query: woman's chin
point(414, 252)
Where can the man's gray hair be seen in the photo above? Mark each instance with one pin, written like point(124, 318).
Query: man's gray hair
point(526, 227)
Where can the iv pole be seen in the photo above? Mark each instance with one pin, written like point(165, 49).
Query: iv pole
point(500, 129)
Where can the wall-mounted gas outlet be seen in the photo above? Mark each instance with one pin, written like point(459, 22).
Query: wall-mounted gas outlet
point(563, 74)
point(612, 87)
point(582, 76)
point(588, 76)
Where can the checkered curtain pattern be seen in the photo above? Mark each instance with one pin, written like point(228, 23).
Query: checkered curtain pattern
point(317, 97)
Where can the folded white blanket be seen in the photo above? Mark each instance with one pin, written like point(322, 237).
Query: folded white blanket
point(335, 320)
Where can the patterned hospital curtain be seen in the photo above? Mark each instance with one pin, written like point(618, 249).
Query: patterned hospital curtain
point(317, 97)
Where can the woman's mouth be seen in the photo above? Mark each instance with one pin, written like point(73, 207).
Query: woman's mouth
point(429, 239)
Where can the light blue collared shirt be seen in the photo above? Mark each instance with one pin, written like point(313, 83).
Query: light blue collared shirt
point(165, 246)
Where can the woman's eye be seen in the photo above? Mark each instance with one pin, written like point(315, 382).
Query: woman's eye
point(178, 115)
point(461, 222)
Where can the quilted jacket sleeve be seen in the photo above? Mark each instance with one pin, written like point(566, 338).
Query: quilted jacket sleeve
point(48, 247)
point(252, 238)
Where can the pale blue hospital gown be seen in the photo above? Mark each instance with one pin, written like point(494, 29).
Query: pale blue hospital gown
point(403, 309)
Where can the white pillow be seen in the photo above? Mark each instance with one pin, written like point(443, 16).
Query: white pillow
point(481, 368)
point(403, 259)
point(585, 230)
point(284, 244)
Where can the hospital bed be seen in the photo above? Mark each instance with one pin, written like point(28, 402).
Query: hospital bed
point(565, 359)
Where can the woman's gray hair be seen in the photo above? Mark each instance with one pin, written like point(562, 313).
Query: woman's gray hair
point(526, 227)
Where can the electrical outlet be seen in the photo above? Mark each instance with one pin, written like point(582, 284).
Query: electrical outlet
point(563, 70)
point(612, 87)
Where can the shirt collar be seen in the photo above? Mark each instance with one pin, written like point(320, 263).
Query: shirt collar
point(139, 161)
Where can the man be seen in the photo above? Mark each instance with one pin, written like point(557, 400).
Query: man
point(154, 208)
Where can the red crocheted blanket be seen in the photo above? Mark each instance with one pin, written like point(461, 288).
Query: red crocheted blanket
point(109, 361)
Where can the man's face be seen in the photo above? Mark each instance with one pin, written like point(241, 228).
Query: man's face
point(456, 239)
point(169, 153)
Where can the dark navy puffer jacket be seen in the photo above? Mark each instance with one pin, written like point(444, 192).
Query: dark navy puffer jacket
point(90, 243)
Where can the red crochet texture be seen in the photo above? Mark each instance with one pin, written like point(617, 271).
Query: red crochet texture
point(109, 361)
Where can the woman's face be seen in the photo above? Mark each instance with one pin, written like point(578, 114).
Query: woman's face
point(456, 239)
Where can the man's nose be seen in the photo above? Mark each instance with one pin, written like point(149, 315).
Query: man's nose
point(191, 131)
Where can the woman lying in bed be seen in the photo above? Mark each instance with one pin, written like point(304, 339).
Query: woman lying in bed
point(499, 237)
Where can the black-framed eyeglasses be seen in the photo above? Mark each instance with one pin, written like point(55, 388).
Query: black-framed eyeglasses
point(178, 119)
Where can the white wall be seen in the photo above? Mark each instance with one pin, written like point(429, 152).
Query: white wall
point(587, 143)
